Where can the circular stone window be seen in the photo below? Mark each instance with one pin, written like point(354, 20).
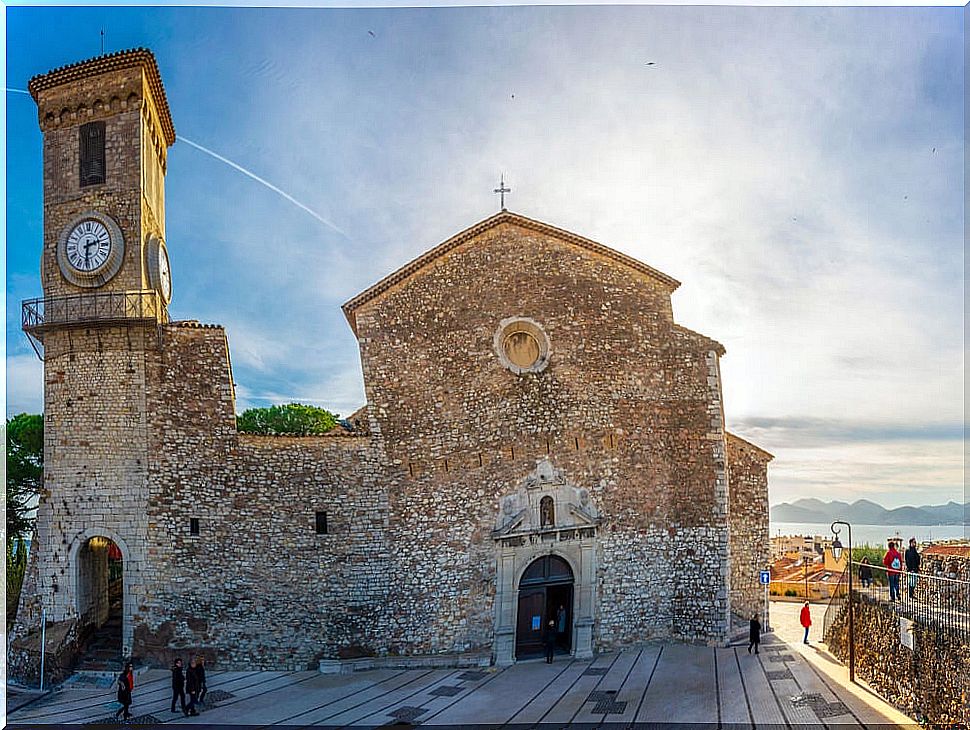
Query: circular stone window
point(522, 345)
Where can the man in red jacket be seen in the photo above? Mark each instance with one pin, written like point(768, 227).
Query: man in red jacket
point(893, 562)
point(806, 619)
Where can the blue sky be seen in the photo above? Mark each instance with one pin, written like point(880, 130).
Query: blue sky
point(800, 170)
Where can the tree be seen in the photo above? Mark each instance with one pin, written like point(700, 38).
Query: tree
point(25, 472)
point(16, 568)
point(25, 476)
point(293, 419)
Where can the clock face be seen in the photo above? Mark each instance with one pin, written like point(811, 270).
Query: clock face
point(164, 274)
point(88, 246)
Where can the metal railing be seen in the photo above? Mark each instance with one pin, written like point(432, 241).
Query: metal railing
point(942, 604)
point(837, 603)
point(80, 309)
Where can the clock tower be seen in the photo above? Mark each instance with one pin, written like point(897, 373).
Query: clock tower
point(106, 290)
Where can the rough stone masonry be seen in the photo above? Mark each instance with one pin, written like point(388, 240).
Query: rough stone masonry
point(528, 394)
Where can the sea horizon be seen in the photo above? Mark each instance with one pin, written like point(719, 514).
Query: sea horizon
point(872, 534)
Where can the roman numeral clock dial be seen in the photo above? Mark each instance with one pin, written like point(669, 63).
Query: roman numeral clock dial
point(90, 249)
point(88, 246)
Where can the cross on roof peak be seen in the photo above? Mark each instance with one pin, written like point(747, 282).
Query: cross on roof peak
point(502, 190)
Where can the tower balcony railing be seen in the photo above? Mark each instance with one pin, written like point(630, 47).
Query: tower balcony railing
point(79, 310)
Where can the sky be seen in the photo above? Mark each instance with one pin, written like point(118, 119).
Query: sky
point(800, 170)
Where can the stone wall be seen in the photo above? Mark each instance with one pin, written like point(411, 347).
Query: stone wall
point(628, 405)
point(133, 191)
point(750, 541)
point(257, 587)
point(930, 682)
point(95, 467)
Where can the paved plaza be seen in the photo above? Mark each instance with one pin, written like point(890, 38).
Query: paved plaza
point(654, 684)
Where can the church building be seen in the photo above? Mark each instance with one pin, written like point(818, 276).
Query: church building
point(541, 442)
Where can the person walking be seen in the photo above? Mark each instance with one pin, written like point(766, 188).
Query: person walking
point(865, 573)
point(912, 566)
point(126, 683)
point(192, 687)
point(178, 685)
point(550, 641)
point(806, 619)
point(754, 635)
point(200, 673)
point(893, 562)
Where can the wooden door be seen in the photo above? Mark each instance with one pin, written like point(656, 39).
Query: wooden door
point(529, 627)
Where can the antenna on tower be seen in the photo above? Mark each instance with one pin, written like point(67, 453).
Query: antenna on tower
point(102, 41)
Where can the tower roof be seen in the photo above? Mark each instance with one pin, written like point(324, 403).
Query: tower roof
point(504, 216)
point(111, 62)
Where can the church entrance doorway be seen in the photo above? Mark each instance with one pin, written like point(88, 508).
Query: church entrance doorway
point(545, 594)
point(100, 603)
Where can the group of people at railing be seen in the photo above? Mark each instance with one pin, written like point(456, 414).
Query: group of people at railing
point(893, 562)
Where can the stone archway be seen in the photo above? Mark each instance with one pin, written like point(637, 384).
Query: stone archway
point(545, 596)
point(522, 537)
point(100, 587)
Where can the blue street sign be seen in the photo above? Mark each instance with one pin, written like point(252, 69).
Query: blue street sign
point(765, 577)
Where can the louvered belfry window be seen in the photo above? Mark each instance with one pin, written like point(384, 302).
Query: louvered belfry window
point(92, 153)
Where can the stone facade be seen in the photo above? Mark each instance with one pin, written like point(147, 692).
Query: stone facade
point(750, 542)
point(528, 394)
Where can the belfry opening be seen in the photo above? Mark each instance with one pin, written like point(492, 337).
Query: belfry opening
point(545, 604)
point(100, 601)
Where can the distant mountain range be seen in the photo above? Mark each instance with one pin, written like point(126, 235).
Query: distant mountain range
point(864, 512)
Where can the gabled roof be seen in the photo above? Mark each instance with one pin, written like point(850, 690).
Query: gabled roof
point(468, 234)
point(767, 456)
point(111, 62)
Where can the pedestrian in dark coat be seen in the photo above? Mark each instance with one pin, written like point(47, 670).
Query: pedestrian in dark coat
point(200, 673)
point(754, 635)
point(126, 683)
point(550, 641)
point(912, 565)
point(192, 688)
point(865, 573)
point(178, 685)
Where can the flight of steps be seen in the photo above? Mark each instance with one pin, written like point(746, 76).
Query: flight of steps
point(102, 652)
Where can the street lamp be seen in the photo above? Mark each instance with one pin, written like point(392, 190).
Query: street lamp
point(837, 554)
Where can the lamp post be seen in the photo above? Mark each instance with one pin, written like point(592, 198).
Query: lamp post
point(837, 554)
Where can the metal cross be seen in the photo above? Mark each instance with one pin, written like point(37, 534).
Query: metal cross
point(502, 190)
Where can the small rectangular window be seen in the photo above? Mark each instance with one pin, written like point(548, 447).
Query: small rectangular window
point(322, 523)
point(92, 153)
point(193, 525)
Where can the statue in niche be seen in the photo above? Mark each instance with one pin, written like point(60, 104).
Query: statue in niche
point(547, 513)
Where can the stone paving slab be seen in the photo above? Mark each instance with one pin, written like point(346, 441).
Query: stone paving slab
point(595, 712)
point(636, 684)
point(763, 702)
point(683, 687)
point(565, 710)
point(670, 683)
point(733, 703)
point(542, 702)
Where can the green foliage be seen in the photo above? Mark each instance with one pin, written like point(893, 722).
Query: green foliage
point(25, 472)
point(791, 592)
point(293, 419)
point(16, 567)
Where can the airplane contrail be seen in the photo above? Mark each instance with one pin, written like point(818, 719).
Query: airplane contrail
point(244, 171)
point(266, 183)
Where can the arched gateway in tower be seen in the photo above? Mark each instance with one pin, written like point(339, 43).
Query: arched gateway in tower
point(541, 442)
